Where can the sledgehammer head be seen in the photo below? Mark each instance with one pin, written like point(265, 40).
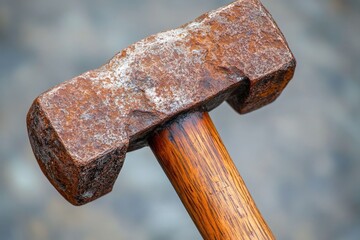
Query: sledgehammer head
point(81, 129)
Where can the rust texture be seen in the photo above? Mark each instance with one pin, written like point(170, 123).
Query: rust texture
point(81, 129)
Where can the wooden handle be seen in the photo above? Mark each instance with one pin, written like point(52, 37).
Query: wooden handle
point(199, 167)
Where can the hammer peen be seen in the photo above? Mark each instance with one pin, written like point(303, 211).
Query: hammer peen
point(157, 93)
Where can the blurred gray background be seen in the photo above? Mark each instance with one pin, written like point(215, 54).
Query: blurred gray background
point(300, 156)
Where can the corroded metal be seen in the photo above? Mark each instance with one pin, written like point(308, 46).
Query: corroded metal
point(81, 129)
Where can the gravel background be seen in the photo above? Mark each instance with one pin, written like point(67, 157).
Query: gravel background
point(300, 156)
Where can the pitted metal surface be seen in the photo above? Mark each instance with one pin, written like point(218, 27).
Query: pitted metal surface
point(81, 129)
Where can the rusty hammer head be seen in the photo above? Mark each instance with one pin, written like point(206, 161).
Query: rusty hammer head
point(81, 129)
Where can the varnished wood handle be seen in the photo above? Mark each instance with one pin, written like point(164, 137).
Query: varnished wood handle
point(199, 167)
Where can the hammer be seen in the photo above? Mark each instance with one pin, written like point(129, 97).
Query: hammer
point(157, 93)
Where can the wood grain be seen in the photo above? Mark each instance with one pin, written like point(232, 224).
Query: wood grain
point(199, 167)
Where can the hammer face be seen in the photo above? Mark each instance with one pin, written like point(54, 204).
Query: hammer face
point(79, 180)
point(262, 53)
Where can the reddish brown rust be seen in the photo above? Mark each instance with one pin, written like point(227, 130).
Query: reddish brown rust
point(81, 129)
